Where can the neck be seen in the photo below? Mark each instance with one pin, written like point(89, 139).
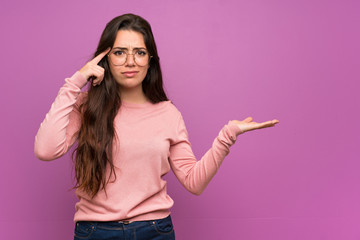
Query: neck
point(133, 95)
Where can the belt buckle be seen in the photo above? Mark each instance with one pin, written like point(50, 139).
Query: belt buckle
point(124, 222)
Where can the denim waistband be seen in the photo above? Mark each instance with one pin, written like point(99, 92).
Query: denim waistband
point(113, 225)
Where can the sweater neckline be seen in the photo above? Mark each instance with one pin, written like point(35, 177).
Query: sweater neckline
point(135, 105)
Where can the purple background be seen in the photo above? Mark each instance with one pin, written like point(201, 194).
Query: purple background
point(297, 61)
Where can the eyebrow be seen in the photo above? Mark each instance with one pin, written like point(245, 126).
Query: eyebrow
point(124, 48)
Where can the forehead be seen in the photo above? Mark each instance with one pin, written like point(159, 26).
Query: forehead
point(129, 39)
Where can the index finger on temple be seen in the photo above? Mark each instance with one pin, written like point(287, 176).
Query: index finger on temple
point(98, 58)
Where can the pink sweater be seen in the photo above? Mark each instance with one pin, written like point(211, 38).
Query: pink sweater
point(152, 138)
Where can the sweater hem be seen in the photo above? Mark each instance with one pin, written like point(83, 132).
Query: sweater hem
point(143, 217)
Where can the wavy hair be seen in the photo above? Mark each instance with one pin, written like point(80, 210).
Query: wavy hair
point(94, 153)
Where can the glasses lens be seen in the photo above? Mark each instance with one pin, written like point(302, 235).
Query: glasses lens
point(141, 57)
point(119, 57)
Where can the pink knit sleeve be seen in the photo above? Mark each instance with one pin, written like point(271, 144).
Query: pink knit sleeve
point(195, 175)
point(56, 133)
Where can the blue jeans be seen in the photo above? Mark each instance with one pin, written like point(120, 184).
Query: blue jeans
point(160, 229)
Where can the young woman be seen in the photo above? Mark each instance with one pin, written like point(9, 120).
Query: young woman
point(128, 137)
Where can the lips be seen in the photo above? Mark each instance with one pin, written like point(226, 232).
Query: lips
point(130, 73)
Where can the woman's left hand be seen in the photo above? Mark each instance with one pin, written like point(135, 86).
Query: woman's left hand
point(248, 124)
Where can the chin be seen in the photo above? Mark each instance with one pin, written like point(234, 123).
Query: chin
point(130, 85)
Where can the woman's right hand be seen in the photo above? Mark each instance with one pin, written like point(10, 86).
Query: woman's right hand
point(248, 124)
point(92, 70)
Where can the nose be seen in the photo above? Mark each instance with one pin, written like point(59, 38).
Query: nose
point(130, 61)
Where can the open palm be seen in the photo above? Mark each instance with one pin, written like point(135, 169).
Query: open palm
point(248, 125)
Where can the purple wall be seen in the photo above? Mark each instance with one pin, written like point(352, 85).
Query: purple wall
point(297, 61)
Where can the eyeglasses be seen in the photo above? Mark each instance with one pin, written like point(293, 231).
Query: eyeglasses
point(119, 57)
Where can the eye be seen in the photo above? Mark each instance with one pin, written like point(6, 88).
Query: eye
point(119, 53)
point(141, 53)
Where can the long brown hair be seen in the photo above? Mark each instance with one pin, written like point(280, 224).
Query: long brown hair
point(94, 153)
